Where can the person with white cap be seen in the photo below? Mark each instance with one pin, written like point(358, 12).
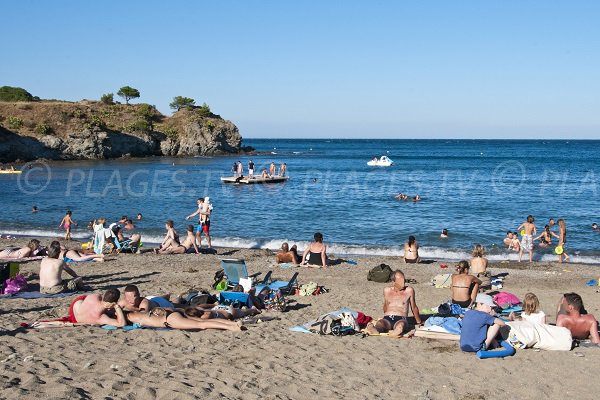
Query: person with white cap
point(480, 326)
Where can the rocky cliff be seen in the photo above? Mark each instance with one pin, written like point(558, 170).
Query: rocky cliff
point(93, 130)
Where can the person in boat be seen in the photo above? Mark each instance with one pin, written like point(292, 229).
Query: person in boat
point(464, 286)
point(265, 174)
point(28, 251)
point(411, 251)
point(287, 255)
point(315, 256)
point(234, 169)
point(283, 169)
point(272, 168)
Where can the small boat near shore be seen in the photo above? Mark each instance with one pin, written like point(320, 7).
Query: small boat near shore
point(383, 161)
point(245, 180)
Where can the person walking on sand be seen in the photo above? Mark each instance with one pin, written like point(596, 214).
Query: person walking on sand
point(396, 301)
point(66, 223)
point(528, 231)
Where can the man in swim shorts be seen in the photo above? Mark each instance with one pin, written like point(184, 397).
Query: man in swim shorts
point(569, 315)
point(528, 231)
point(133, 301)
point(396, 301)
point(203, 213)
point(51, 269)
point(95, 309)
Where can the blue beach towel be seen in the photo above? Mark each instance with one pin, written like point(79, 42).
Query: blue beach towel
point(37, 295)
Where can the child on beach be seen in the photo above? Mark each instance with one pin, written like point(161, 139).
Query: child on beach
point(66, 223)
point(531, 310)
point(480, 327)
point(528, 230)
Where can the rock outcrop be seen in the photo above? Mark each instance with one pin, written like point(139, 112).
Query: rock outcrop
point(93, 130)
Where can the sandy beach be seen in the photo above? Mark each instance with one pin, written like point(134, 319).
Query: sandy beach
point(268, 360)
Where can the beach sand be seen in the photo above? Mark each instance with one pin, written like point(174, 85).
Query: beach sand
point(269, 361)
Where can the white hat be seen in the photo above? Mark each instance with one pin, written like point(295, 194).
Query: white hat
point(485, 299)
point(207, 199)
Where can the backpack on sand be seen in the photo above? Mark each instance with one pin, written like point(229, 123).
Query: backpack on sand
point(380, 273)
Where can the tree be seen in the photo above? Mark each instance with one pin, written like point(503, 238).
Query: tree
point(9, 93)
point(107, 99)
point(180, 102)
point(128, 93)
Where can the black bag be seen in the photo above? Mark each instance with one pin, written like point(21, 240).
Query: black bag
point(381, 273)
point(202, 297)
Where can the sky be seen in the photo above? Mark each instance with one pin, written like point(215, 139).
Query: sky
point(324, 69)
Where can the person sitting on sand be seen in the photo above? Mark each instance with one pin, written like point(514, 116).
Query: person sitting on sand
point(164, 318)
point(51, 269)
point(134, 239)
point(185, 246)
point(96, 309)
point(171, 240)
point(315, 256)
point(464, 286)
point(287, 255)
point(24, 252)
point(133, 301)
point(411, 251)
point(396, 301)
point(569, 315)
point(479, 326)
point(531, 310)
point(478, 261)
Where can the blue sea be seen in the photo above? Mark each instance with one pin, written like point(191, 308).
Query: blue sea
point(477, 189)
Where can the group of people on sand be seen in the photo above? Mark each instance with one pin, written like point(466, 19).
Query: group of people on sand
point(529, 236)
point(315, 255)
point(153, 311)
point(273, 171)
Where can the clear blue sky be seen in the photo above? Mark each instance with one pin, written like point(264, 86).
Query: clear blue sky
point(388, 69)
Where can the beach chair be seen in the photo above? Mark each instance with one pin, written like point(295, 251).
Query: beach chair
point(236, 268)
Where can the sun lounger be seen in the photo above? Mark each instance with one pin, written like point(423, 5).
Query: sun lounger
point(235, 269)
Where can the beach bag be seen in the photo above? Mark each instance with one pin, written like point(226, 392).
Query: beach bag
point(362, 320)
point(15, 285)
point(275, 301)
point(308, 289)
point(381, 273)
point(219, 280)
point(199, 297)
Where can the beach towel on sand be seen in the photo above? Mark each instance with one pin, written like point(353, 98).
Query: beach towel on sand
point(36, 295)
point(442, 281)
point(506, 299)
point(540, 336)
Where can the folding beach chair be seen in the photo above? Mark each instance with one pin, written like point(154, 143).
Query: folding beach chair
point(236, 268)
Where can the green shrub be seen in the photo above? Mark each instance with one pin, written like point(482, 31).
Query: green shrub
point(8, 93)
point(171, 132)
point(42, 129)
point(95, 121)
point(14, 122)
point(79, 113)
point(140, 125)
point(210, 125)
point(108, 99)
point(180, 102)
point(204, 110)
point(146, 111)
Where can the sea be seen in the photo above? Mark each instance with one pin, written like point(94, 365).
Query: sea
point(477, 189)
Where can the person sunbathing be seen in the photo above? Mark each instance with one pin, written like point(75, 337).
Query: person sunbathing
point(68, 255)
point(96, 309)
point(411, 251)
point(24, 252)
point(51, 269)
point(396, 301)
point(316, 253)
point(165, 318)
point(464, 286)
point(287, 255)
point(133, 301)
point(569, 315)
point(212, 311)
point(185, 246)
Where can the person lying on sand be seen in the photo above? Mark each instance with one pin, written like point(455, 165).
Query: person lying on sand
point(77, 256)
point(51, 269)
point(569, 315)
point(287, 255)
point(211, 311)
point(396, 301)
point(164, 318)
point(23, 252)
point(95, 309)
point(133, 301)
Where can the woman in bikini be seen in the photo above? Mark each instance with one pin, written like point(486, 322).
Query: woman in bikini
point(545, 237)
point(75, 256)
point(479, 265)
point(27, 251)
point(171, 241)
point(316, 252)
point(165, 318)
point(186, 245)
point(464, 285)
point(411, 251)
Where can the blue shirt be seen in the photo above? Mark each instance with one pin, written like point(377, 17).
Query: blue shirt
point(474, 330)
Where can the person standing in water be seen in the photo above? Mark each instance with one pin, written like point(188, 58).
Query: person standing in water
point(528, 230)
point(66, 223)
point(562, 241)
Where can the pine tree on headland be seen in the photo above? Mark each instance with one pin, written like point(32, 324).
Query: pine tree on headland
point(128, 93)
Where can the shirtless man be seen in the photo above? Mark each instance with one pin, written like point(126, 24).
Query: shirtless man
point(51, 269)
point(94, 309)
point(569, 316)
point(528, 232)
point(508, 239)
point(287, 255)
point(133, 301)
point(396, 301)
point(203, 213)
